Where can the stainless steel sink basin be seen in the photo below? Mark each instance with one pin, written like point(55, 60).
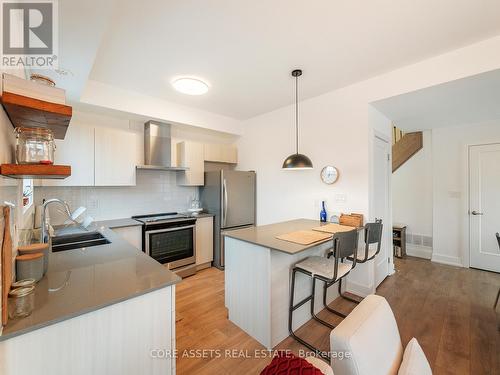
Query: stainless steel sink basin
point(77, 241)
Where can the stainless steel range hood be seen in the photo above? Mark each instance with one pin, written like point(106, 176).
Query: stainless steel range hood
point(158, 147)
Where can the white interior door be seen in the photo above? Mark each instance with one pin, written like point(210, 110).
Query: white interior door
point(382, 174)
point(484, 206)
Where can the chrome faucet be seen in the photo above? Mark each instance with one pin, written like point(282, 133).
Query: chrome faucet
point(43, 232)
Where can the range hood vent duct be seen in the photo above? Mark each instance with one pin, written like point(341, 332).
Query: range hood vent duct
point(158, 147)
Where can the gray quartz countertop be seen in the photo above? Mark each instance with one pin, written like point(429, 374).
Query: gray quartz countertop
point(83, 280)
point(265, 235)
point(118, 223)
point(198, 215)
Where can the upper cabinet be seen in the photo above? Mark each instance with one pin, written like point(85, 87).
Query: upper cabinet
point(190, 155)
point(193, 155)
point(99, 156)
point(115, 157)
point(220, 153)
point(77, 150)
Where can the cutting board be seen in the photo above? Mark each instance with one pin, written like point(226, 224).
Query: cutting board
point(333, 228)
point(304, 237)
point(6, 263)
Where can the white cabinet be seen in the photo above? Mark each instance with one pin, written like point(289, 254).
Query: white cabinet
point(204, 241)
point(77, 150)
point(115, 157)
point(220, 153)
point(132, 235)
point(190, 155)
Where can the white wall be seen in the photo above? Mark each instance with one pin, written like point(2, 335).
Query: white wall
point(269, 139)
point(412, 199)
point(337, 128)
point(450, 176)
point(430, 192)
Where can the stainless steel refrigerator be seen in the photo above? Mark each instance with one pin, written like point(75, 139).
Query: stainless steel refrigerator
point(230, 195)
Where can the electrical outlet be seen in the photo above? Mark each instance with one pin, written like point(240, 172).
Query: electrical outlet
point(93, 204)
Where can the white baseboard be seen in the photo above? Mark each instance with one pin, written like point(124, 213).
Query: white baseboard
point(358, 289)
point(446, 259)
point(419, 251)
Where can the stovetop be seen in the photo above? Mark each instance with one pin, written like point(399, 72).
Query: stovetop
point(147, 219)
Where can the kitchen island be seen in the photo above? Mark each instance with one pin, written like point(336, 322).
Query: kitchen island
point(98, 310)
point(257, 279)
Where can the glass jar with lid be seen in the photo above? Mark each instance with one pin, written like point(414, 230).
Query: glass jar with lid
point(21, 302)
point(35, 146)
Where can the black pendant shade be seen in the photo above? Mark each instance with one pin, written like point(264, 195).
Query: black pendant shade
point(297, 161)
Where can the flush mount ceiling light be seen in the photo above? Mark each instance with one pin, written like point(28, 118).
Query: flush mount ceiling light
point(297, 161)
point(190, 86)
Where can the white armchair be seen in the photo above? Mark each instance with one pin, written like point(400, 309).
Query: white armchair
point(367, 342)
point(370, 343)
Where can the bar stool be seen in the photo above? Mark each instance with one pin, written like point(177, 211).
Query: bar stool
point(373, 235)
point(327, 270)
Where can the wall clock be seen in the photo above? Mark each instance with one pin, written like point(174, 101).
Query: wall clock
point(329, 174)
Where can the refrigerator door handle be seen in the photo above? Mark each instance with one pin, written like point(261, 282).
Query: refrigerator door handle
point(224, 197)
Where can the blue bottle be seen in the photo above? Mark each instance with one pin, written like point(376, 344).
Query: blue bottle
point(322, 214)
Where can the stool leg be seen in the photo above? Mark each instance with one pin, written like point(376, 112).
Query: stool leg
point(326, 305)
point(293, 307)
point(344, 296)
point(314, 316)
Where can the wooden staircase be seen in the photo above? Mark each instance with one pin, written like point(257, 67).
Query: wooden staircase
point(404, 146)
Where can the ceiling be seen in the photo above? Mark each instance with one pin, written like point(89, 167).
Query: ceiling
point(247, 49)
point(79, 43)
point(470, 100)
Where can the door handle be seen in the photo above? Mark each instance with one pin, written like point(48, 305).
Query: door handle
point(224, 210)
point(475, 213)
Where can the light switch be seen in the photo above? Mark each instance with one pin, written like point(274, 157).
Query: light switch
point(340, 197)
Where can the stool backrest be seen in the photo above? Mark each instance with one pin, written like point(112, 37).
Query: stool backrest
point(373, 232)
point(345, 244)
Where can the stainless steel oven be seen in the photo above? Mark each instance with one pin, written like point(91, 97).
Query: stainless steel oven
point(174, 246)
point(170, 239)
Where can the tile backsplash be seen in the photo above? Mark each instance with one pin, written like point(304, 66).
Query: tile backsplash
point(155, 192)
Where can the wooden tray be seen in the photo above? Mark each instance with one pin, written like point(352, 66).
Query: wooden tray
point(304, 237)
point(333, 228)
point(354, 220)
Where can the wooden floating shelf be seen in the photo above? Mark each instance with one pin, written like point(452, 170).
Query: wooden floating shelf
point(45, 171)
point(35, 113)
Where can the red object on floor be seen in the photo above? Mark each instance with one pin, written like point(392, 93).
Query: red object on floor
point(288, 364)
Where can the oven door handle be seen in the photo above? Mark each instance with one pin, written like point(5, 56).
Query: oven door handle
point(169, 229)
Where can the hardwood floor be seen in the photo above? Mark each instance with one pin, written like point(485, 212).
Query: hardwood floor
point(448, 309)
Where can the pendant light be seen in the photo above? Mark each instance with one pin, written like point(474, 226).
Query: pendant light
point(297, 161)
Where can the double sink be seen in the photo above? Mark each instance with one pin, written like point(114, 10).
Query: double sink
point(78, 241)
